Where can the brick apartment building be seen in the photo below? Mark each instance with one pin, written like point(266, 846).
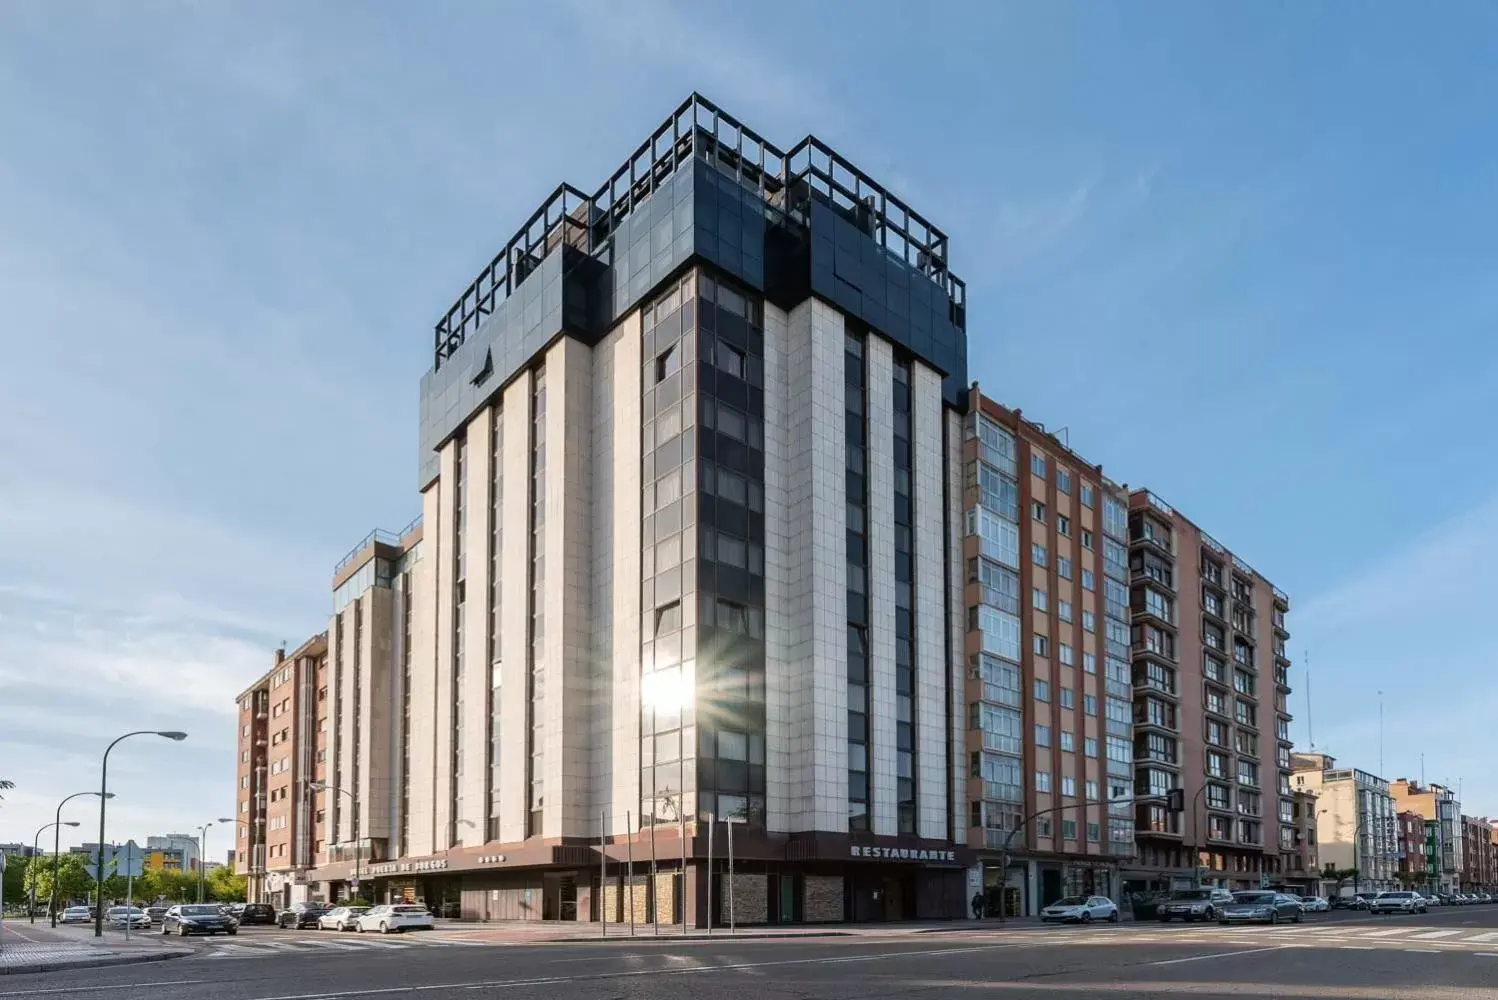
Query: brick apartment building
point(279, 816)
point(1478, 860)
point(1209, 661)
point(1409, 847)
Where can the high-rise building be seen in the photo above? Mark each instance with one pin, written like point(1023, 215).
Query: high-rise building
point(1051, 736)
point(1442, 813)
point(1477, 854)
point(691, 509)
point(277, 824)
point(1211, 682)
point(1357, 822)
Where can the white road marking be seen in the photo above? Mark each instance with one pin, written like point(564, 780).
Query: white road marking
point(1424, 951)
point(1221, 954)
point(1490, 936)
point(1432, 935)
point(96, 989)
point(1356, 947)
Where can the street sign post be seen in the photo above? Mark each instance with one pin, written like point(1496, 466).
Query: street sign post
point(130, 862)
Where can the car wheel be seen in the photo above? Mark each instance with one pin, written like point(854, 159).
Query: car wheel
point(1274, 916)
point(182, 930)
point(384, 928)
point(1113, 917)
point(232, 931)
point(164, 931)
point(359, 928)
point(1296, 918)
point(1086, 916)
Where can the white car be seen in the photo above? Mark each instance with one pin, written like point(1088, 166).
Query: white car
point(76, 915)
point(127, 916)
point(1315, 904)
point(343, 918)
point(388, 919)
point(1081, 910)
point(1397, 902)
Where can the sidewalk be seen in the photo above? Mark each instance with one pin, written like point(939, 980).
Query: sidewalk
point(27, 947)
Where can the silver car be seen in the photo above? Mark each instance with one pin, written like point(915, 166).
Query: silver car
point(1397, 902)
point(128, 916)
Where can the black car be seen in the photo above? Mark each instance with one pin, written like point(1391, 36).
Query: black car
point(197, 918)
point(257, 913)
point(300, 915)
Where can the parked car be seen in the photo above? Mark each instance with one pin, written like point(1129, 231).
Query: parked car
point(1260, 905)
point(341, 918)
point(1397, 902)
point(127, 916)
point(197, 918)
point(1194, 904)
point(76, 915)
point(1315, 904)
point(256, 913)
point(1431, 899)
point(1080, 909)
point(300, 915)
point(388, 919)
point(156, 913)
point(1483, 897)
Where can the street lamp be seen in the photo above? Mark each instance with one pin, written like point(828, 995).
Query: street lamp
point(323, 786)
point(170, 734)
point(57, 849)
point(1009, 840)
point(203, 850)
point(35, 841)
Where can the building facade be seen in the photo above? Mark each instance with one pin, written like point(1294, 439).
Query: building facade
point(1050, 720)
point(1477, 854)
point(1444, 847)
point(178, 851)
point(1208, 640)
point(1409, 848)
point(1356, 820)
point(1302, 872)
point(277, 817)
point(691, 495)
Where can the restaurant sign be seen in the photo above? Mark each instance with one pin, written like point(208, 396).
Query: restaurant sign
point(901, 853)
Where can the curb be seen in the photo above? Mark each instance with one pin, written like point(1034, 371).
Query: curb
point(91, 963)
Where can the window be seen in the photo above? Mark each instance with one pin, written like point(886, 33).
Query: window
point(1043, 826)
point(244, 782)
point(1217, 764)
point(1063, 567)
point(244, 756)
point(1089, 496)
point(1248, 773)
point(1038, 599)
point(1037, 511)
point(1086, 539)
point(1037, 465)
point(1217, 733)
point(1094, 833)
point(1038, 555)
point(1068, 698)
point(1069, 789)
point(1063, 526)
point(728, 359)
point(1063, 480)
point(667, 363)
point(1042, 736)
point(1218, 797)
point(1067, 655)
point(1068, 741)
point(1042, 646)
point(1063, 611)
point(1212, 667)
point(1042, 781)
point(1089, 663)
point(1042, 690)
point(1089, 747)
point(1090, 788)
point(1001, 680)
point(1089, 580)
point(1245, 713)
point(1212, 635)
point(1068, 826)
point(1089, 621)
point(1089, 704)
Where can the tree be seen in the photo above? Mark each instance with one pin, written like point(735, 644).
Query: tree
point(6, 785)
point(1338, 876)
point(14, 891)
point(72, 878)
point(224, 886)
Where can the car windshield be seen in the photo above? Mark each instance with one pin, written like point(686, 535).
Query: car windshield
point(1071, 901)
point(409, 909)
point(200, 911)
point(1253, 897)
point(1191, 894)
point(76, 909)
point(356, 910)
point(117, 911)
point(1398, 895)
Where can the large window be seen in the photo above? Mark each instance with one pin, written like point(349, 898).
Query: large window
point(860, 806)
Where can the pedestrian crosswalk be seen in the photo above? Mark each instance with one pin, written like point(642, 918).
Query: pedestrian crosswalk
point(1414, 935)
point(261, 947)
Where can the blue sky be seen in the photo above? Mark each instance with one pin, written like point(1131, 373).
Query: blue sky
point(1243, 252)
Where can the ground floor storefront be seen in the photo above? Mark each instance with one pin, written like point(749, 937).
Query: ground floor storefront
point(769, 880)
point(1028, 885)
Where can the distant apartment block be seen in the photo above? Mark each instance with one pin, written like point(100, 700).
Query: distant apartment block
point(1356, 819)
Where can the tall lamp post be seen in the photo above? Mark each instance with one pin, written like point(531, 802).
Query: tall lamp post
point(35, 848)
point(203, 850)
point(57, 848)
point(170, 734)
point(323, 786)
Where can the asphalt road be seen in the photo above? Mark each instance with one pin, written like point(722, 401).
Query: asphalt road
point(1445, 955)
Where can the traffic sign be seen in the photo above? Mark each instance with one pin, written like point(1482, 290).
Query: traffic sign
point(130, 860)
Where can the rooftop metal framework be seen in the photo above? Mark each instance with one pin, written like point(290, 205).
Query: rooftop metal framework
point(787, 182)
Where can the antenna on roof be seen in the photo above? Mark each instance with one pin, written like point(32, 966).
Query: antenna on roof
point(1310, 730)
